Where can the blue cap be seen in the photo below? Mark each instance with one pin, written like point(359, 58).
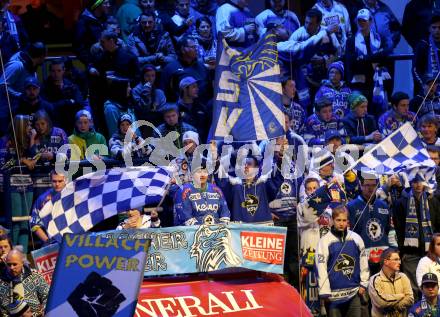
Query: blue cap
point(331, 134)
point(169, 107)
point(31, 81)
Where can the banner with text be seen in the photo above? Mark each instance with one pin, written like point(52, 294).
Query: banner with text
point(45, 260)
point(235, 296)
point(97, 276)
point(205, 248)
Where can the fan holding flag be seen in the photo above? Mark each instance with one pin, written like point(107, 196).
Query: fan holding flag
point(416, 214)
point(97, 196)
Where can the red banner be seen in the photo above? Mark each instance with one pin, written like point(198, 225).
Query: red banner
point(46, 265)
point(263, 247)
point(256, 295)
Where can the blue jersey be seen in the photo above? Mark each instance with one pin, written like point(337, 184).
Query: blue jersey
point(423, 309)
point(342, 266)
point(372, 223)
point(286, 192)
point(249, 202)
point(35, 221)
point(196, 206)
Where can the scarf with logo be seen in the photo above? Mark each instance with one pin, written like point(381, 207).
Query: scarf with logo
point(412, 222)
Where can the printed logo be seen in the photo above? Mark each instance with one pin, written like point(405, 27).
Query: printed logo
point(251, 204)
point(212, 247)
point(374, 229)
point(263, 247)
point(286, 188)
point(412, 230)
point(345, 264)
point(383, 211)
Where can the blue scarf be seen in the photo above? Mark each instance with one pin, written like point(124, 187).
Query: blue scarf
point(412, 222)
point(11, 26)
point(380, 100)
point(433, 61)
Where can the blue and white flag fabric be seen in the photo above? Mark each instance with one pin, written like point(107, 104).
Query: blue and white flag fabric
point(94, 197)
point(400, 151)
point(247, 102)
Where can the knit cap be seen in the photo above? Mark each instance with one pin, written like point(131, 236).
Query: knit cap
point(355, 99)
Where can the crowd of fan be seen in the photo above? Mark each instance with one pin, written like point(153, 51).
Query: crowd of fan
point(144, 64)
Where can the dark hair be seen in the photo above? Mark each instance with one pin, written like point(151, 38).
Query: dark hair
point(310, 180)
point(117, 90)
point(397, 97)
point(203, 19)
point(42, 114)
point(285, 79)
point(322, 103)
point(428, 119)
point(431, 249)
point(315, 13)
point(147, 14)
point(36, 49)
point(435, 17)
point(109, 35)
point(433, 148)
point(56, 61)
point(149, 68)
point(6, 237)
point(387, 253)
point(54, 172)
point(182, 42)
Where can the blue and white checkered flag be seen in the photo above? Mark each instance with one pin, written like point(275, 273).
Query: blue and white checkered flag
point(400, 151)
point(94, 197)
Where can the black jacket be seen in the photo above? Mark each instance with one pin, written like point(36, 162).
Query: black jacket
point(399, 218)
point(358, 128)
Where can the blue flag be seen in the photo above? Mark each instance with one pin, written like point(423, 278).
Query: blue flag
point(94, 197)
point(400, 151)
point(248, 94)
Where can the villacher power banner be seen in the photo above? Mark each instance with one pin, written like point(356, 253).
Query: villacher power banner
point(97, 276)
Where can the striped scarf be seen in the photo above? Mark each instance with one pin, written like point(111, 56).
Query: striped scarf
point(380, 100)
point(412, 222)
point(433, 60)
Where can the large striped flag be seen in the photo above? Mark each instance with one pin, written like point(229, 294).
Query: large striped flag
point(400, 151)
point(247, 102)
point(94, 197)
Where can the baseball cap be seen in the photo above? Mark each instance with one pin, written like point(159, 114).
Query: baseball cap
point(31, 81)
point(429, 278)
point(364, 14)
point(185, 82)
point(331, 134)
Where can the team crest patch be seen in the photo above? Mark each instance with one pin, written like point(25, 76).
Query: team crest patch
point(412, 230)
point(374, 229)
point(251, 204)
point(345, 264)
point(286, 188)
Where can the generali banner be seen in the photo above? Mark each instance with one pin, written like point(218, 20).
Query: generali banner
point(207, 248)
point(260, 296)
